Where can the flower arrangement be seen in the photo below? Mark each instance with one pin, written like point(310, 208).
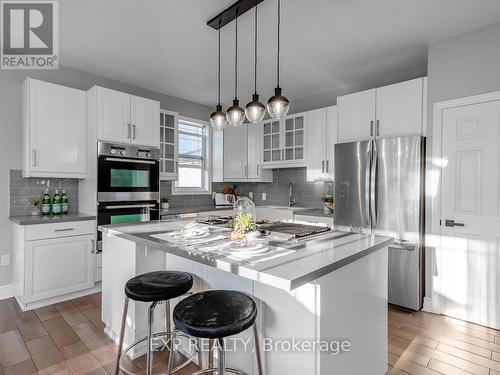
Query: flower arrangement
point(328, 203)
point(165, 203)
point(244, 223)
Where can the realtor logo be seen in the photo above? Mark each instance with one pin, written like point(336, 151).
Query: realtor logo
point(29, 34)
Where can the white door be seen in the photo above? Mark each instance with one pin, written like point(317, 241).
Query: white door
point(316, 145)
point(235, 153)
point(356, 116)
point(469, 264)
point(331, 140)
point(144, 114)
point(113, 116)
point(399, 109)
point(58, 266)
point(57, 129)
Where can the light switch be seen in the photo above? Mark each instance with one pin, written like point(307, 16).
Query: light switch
point(264, 196)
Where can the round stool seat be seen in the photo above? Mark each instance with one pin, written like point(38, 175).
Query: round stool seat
point(215, 314)
point(158, 286)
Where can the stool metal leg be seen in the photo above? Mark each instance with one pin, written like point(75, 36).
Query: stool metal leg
point(170, 365)
point(122, 335)
point(168, 327)
point(149, 357)
point(256, 343)
point(222, 358)
point(210, 353)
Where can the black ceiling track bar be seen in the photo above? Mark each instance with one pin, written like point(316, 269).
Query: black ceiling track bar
point(229, 14)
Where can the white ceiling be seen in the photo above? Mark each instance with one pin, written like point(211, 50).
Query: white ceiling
point(165, 45)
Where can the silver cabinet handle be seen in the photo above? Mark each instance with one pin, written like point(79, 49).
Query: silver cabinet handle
point(64, 230)
point(258, 170)
point(133, 131)
point(34, 158)
point(92, 245)
point(377, 127)
point(371, 128)
point(327, 166)
point(129, 131)
point(322, 166)
point(452, 223)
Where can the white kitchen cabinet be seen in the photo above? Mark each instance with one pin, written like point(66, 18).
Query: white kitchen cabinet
point(124, 118)
point(217, 148)
point(242, 154)
point(321, 139)
point(356, 116)
point(169, 153)
point(54, 130)
point(284, 142)
point(390, 111)
point(235, 153)
point(53, 262)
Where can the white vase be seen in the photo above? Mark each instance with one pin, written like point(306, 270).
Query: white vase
point(165, 206)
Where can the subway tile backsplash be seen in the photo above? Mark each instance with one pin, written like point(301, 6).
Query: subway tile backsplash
point(306, 194)
point(24, 190)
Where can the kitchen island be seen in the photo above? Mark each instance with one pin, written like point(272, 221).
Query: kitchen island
point(322, 300)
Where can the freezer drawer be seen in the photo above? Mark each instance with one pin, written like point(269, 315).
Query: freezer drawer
point(405, 275)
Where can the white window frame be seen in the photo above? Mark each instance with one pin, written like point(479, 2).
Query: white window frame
point(207, 163)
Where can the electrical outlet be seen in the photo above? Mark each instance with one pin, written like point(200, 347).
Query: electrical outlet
point(250, 195)
point(264, 196)
point(5, 260)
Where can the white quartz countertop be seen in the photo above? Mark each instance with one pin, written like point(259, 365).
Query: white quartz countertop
point(286, 265)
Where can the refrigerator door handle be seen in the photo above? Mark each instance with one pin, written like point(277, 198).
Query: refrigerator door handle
point(373, 185)
point(368, 182)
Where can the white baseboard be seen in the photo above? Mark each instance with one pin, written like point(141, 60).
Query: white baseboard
point(7, 291)
point(428, 306)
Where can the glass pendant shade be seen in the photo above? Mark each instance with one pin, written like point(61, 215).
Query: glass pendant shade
point(218, 118)
point(235, 115)
point(278, 104)
point(255, 110)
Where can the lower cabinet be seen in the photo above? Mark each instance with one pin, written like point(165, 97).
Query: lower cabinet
point(52, 262)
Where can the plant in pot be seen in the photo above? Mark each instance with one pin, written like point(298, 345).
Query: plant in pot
point(165, 203)
point(37, 203)
point(244, 218)
point(328, 203)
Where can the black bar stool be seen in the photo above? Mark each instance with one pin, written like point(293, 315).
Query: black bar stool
point(217, 314)
point(153, 287)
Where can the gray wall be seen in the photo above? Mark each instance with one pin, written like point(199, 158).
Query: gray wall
point(10, 125)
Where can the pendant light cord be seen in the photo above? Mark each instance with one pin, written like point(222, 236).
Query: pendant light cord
point(218, 73)
point(236, 59)
point(255, 62)
point(279, 22)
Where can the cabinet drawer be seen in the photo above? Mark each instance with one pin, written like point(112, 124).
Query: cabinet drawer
point(55, 230)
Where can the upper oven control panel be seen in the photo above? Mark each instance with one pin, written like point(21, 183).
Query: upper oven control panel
point(127, 151)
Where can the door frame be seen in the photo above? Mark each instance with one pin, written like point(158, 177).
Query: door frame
point(434, 173)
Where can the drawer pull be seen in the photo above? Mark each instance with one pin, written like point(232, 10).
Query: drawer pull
point(64, 230)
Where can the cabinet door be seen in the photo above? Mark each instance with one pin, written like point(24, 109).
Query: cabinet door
point(254, 150)
point(271, 150)
point(144, 115)
point(316, 144)
point(113, 116)
point(169, 153)
point(331, 140)
point(294, 138)
point(58, 266)
point(399, 109)
point(57, 130)
point(217, 155)
point(356, 116)
point(235, 153)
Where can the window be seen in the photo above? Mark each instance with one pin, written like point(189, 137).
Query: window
point(193, 158)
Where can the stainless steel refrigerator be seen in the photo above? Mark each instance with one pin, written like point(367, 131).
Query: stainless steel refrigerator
point(379, 189)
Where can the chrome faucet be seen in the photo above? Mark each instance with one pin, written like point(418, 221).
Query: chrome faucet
point(291, 200)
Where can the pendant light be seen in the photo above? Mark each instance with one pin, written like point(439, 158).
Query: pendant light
point(235, 115)
point(255, 110)
point(218, 118)
point(278, 105)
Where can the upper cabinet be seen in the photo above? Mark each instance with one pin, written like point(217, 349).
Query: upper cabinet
point(242, 154)
point(321, 139)
point(169, 153)
point(390, 111)
point(284, 142)
point(125, 118)
point(54, 130)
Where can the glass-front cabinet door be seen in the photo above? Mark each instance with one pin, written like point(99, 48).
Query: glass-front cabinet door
point(284, 141)
point(168, 145)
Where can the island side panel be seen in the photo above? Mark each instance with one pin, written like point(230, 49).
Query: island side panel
point(353, 302)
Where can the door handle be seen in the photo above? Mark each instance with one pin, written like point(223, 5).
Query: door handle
point(322, 166)
point(371, 128)
point(373, 185)
point(133, 131)
point(258, 170)
point(64, 230)
point(451, 223)
point(327, 166)
point(377, 128)
point(34, 158)
point(129, 131)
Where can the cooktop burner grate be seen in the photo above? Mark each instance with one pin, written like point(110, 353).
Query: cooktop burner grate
point(296, 230)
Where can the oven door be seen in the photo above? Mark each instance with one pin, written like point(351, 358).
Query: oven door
point(124, 179)
point(125, 213)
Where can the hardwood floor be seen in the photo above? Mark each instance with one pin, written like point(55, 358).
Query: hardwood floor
point(67, 338)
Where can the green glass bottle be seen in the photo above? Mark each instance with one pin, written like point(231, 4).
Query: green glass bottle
point(64, 203)
point(56, 203)
point(46, 203)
